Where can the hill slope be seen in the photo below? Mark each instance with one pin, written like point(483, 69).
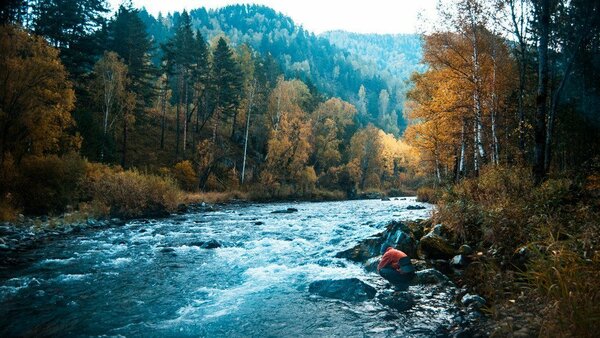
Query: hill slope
point(333, 69)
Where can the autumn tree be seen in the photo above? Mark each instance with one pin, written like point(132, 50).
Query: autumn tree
point(110, 89)
point(289, 146)
point(36, 98)
point(331, 121)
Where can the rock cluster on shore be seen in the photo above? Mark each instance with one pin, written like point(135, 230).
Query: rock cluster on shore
point(433, 255)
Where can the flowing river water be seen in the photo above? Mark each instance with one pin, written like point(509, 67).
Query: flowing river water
point(150, 277)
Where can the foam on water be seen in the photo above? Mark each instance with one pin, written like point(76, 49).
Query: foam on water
point(127, 284)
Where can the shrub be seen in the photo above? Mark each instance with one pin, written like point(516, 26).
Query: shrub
point(185, 175)
point(558, 226)
point(48, 184)
point(426, 194)
point(131, 194)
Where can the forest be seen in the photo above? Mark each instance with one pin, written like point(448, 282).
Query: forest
point(494, 115)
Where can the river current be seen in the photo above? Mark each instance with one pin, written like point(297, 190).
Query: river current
point(151, 277)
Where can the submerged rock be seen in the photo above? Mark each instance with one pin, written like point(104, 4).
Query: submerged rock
point(210, 244)
point(397, 300)
point(415, 207)
point(351, 289)
point(285, 211)
point(429, 276)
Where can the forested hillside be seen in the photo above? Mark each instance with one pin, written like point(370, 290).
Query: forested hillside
point(335, 70)
point(392, 57)
point(238, 98)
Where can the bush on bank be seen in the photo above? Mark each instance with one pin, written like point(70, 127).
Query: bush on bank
point(537, 240)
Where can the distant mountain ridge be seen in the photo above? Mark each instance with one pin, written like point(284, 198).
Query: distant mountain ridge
point(333, 62)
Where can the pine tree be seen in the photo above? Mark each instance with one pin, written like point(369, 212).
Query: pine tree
point(128, 38)
point(227, 84)
point(74, 27)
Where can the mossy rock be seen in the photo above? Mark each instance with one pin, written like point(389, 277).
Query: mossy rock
point(433, 246)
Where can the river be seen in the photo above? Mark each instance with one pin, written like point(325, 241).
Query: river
point(150, 277)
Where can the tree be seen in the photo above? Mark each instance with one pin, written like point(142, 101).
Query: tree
point(289, 146)
point(110, 82)
point(129, 39)
point(179, 58)
point(227, 85)
point(36, 98)
point(13, 11)
point(362, 104)
point(72, 27)
point(331, 120)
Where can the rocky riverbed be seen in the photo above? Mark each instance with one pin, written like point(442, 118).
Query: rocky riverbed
point(277, 269)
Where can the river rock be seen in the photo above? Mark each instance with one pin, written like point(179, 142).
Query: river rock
point(211, 244)
point(429, 276)
point(415, 207)
point(285, 211)
point(435, 246)
point(397, 300)
point(385, 199)
point(459, 261)
point(182, 208)
point(473, 301)
point(397, 234)
point(465, 250)
point(351, 289)
point(372, 263)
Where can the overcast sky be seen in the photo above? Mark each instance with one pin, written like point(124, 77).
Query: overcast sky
point(364, 16)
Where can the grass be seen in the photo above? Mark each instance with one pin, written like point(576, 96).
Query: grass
point(557, 225)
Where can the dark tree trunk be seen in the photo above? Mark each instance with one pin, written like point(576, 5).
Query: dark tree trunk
point(543, 13)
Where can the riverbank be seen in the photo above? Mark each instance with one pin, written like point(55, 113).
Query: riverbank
point(536, 261)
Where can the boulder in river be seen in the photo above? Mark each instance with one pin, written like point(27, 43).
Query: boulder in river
point(211, 244)
point(397, 234)
point(285, 211)
point(435, 246)
point(351, 289)
point(397, 300)
point(429, 276)
point(415, 207)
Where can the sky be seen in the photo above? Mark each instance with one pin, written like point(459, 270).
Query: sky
point(317, 16)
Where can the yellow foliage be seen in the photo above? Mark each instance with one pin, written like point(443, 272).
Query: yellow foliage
point(130, 194)
point(185, 175)
point(37, 97)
